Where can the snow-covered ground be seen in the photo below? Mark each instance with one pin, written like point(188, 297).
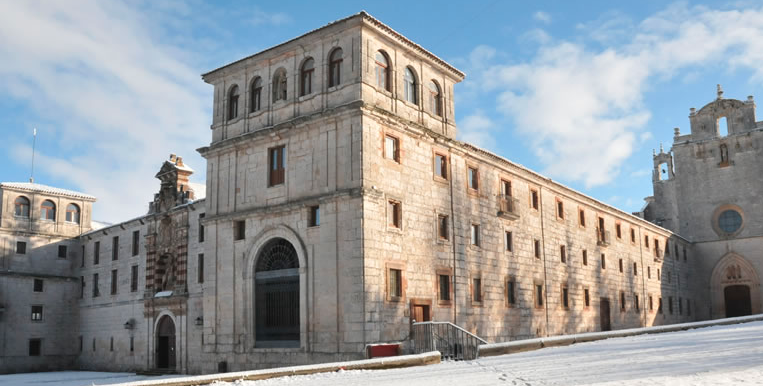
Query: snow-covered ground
point(722, 355)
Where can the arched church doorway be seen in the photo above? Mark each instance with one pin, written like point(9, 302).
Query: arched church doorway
point(276, 294)
point(165, 343)
point(737, 298)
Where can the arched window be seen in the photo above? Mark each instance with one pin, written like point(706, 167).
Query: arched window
point(255, 99)
point(409, 86)
point(22, 206)
point(382, 71)
point(277, 295)
point(48, 210)
point(435, 99)
point(306, 77)
point(72, 213)
point(233, 102)
point(279, 85)
point(335, 67)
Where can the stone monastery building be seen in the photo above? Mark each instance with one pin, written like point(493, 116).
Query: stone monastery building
point(340, 208)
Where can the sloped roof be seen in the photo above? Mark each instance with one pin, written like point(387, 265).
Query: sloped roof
point(39, 188)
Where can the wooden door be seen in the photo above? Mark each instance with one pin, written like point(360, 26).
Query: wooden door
point(737, 299)
point(604, 314)
point(421, 313)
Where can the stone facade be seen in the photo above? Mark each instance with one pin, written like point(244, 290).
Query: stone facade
point(340, 208)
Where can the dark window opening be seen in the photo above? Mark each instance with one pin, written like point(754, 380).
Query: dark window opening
point(239, 230)
point(38, 285)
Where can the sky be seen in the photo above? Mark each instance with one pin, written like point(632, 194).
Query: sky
point(581, 92)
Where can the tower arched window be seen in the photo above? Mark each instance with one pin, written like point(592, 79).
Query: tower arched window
point(335, 67)
point(21, 205)
point(382, 71)
point(277, 295)
point(255, 99)
point(72, 213)
point(306, 77)
point(233, 102)
point(279, 85)
point(48, 210)
point(409, 86)
point(435, 98)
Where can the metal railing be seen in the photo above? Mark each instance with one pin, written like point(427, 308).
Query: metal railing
point(602, 237)
point(508, 206)
point(451, 341)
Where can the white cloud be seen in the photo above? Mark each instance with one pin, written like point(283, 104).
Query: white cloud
point(121, 101)
point(261, 17)
point(476, 129)
point(542, 17)
point(583, 108)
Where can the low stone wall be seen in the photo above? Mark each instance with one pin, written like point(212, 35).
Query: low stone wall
point(367, 364)
point(565, 340)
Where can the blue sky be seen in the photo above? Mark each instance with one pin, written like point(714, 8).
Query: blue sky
point(580, 91)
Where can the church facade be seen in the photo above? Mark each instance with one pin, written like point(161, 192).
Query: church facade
point(340, 208)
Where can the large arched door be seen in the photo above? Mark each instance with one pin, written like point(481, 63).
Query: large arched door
point(276, 294)
point(737, 299)
point(165, 343)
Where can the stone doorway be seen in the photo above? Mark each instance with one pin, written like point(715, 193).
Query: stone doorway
point(737, 300)
point(165, 343)
point(604, 314)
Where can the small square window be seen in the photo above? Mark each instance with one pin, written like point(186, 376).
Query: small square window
point(441, 166)
point(473, 176)
point(475, 235)
point(394, 214)
point(239, 230)
point(392, 148)
point(315, 216)
point(476, 290)
point(585, 257)
point(62, 249)
point(444, 288)
point(21, 247)
point(37, 313)
point(35, 347)
point(536, 248)
point(534, 202)
point(38, 283)
point(509, 241)
point(442, 227)
point(395, 283)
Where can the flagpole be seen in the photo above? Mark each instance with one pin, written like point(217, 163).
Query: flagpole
point(34, 142)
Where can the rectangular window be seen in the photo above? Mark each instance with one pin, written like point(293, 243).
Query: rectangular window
point(622, 301)
point(201, 228)
point(475, 235)
point(587, 297)
point(392, 148)
point(82, 261)
point(276, 165)
point(476, 290)
point(620, 262)
point(563, 253)
point(473, 177)
point(565, 297)
point(35, 347)
point(534, 199)
point(618, 231)
point(659, 275)
point(648, 272)
point(511, 297)
point(633, 235)
point(111, 344)
point(395, 284)
point(559, 209)
point(21, 247)
point(315, 216)
point(38, 283)
point(539, 295)
point(442, 227)
point(585, 257)
point(651, 304)
point(393, 214)
point(62, 249)
point(670, 305)
point(635, 269)
point(536, 248)
point(115, 248)
point(81, 344)
point(505, 188)
point(581, 217)
point(81, 287)
point(200, 268)
point(509, 241)
point(96, 252)
point(444, 288)
point(36, 313)
point(646, 241)
point(603, 261)
point(659, 305)
point(239, 230)
point(135, 243)
point(635, 302)
point(114, 282)
point(134, 278)
point(441, 166)
point(96, 292)
point(132, 344)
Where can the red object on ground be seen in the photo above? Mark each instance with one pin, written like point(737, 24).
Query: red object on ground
point(383, 350)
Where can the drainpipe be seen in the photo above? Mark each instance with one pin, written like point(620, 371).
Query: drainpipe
point(453, 239)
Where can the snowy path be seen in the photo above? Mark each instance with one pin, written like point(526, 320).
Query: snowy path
point(725, 355)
